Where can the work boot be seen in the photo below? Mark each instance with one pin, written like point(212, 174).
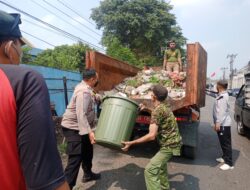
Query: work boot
point(91, 176)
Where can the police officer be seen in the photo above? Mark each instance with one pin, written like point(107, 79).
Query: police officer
point(78, 124)
point(222, 125)
point(28, 155)
point(163, 126)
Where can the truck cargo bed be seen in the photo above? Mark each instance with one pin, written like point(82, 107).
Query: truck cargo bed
point(112, 72)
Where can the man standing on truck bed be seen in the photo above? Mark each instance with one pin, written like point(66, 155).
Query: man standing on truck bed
point(77, 124)
point(163, 126)
point(222, 124)
point(172, 58)
point(29, 158)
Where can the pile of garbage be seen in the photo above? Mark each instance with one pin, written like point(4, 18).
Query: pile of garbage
point(140, 86)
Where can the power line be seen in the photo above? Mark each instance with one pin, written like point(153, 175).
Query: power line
point(51, 26)
point(38, 38)
point(43, 27)
point(70, 17)
point(48, 29)
point(67, 6)
point(63, 19)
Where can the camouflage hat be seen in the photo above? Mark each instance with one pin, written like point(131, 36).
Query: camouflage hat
point(9, 24)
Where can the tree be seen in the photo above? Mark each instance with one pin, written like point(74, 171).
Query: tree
point(26, 58)
point(63, 57)
point(144, 26)
point(116, 50)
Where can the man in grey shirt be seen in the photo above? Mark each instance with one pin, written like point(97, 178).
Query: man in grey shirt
point(222, 124)
point(78, 124)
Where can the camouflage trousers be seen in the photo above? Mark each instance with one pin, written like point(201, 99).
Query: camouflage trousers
point(156, 172)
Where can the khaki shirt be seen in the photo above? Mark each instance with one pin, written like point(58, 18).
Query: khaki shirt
point(80, 113)
point(172, 55)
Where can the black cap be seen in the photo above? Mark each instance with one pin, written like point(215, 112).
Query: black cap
point(9, 24)
point(223, 83)
point(88, 73)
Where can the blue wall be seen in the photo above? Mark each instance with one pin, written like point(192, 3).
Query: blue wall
point(54, 81)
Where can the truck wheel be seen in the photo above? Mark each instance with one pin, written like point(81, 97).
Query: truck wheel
point(240, 128)
point(189, 151)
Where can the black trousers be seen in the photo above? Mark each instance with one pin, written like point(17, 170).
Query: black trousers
point(226, 144)
point(80, 152)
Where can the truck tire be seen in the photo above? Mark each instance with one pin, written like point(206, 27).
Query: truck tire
point(189, 151)
point(240, 127)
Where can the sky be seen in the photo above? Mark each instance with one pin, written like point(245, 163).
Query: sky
point(220, 26)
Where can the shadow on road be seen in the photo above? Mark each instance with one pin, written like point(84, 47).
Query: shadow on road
point(208, 148)
point(181, 181)
point(129, 177)
point(236, 154)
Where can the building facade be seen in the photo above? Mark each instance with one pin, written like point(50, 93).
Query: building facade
point(238, 78)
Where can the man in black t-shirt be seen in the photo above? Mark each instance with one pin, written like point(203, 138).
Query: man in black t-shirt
point(28, 152)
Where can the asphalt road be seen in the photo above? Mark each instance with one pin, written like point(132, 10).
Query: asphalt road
point(124, 171)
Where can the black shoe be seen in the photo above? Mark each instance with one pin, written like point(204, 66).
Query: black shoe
point(90, 177)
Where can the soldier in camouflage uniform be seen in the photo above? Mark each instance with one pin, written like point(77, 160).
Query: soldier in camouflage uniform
point(163, 127)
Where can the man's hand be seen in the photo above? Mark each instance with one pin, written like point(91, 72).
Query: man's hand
point(181, 68)
point(92, 137)
point(217, 127)
point(142, 106)
point(164, 64)
point(126, 144)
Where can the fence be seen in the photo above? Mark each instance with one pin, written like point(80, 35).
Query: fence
point(60, 85)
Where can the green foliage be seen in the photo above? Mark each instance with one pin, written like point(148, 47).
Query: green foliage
point(63, 57)
point(62, 148)
point(133, 82)
point(144, 26)
point(26, 58)
point(150, 61)
point(116, 50)
point(154, 80)
point(167, 83)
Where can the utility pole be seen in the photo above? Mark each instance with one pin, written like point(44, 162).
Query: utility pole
point(231, 62)
point(224, 72)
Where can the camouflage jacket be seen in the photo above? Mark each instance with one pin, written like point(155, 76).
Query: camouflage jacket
point(168, 132)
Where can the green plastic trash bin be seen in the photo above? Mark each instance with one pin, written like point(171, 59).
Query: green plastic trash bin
point(116, 121)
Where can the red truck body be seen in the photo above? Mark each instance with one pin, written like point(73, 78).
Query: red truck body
point(112, 72)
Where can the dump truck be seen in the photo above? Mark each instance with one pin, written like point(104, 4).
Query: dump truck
point(186, 110)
